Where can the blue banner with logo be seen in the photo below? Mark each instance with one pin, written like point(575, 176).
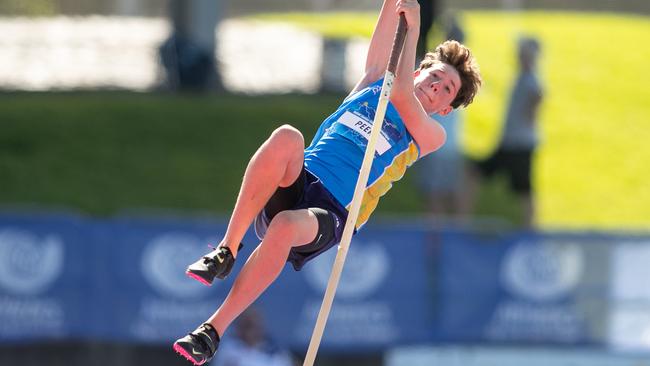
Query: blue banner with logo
point(523, 288)
point(46, 277)
point(122, 279)
point(144, 262)
point(66, 277)
point(383, 297)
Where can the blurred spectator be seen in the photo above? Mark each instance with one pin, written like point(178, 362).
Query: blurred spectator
point(188, 55)
point(441, 175)
point(250, 345)
point(188, 66)
point(453, 28)
point(428, 15)
point(519, 137)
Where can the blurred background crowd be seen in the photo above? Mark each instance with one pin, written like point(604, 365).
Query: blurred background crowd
point(125, 128)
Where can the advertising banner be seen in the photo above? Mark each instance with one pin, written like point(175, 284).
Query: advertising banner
point(123, 279)
point(629, 318)
point(46, 277)
point(145, 291)
point(383, 297)
point(64, 277)
point(523, 288)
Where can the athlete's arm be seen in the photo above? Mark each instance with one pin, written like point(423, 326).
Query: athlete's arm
point(427, 132)
point(380, 45)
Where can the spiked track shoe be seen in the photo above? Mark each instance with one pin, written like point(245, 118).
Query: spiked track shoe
point(217, 263)
point(199, 346)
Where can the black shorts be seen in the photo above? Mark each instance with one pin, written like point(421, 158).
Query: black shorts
point(307, 192)
point(515, 163)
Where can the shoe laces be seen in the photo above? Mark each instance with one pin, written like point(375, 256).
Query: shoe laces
point(210, 256)
point(202, 336)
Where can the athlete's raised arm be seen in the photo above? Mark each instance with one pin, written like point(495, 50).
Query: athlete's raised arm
point(428, 133)
point(380, 45)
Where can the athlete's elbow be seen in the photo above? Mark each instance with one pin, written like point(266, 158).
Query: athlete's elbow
point(435, 142)
point(440, 140)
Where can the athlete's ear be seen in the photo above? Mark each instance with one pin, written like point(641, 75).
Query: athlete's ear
point(446, 110)
point(416, 73)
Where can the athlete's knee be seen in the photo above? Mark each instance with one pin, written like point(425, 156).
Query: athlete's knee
point(289, 138)
point(285, 225)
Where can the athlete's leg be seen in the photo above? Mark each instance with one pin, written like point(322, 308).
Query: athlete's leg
point(286, 230)
point(277, 163)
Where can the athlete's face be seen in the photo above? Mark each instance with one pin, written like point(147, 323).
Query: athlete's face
point(436, 87)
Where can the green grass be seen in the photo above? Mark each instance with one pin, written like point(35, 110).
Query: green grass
point(105, 152)
point(102, 153)
point(592, 169)
point(332, 25)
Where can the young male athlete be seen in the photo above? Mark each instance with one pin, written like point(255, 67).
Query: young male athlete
point(298, 197)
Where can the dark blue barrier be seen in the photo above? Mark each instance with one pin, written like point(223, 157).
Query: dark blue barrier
point(523, 288)
point(47, 283)
point(145, 291)
point(66, 277)
point(383, 297)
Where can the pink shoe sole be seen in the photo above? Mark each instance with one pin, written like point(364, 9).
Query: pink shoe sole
point(192, 275)
point(184, 353)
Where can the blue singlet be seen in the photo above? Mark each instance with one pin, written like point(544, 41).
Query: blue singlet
point(336, 152)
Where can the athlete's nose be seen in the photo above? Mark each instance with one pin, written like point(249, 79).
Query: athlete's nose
point(434, 86)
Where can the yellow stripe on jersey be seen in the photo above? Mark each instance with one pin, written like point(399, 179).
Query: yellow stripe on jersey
point(393, 173)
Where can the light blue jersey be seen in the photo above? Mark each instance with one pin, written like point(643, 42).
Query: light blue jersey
point(337, 150)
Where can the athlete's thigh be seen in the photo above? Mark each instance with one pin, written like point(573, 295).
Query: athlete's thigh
point(294, 168)
point(290, 142)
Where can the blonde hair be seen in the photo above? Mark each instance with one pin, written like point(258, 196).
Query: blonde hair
point(460, 58)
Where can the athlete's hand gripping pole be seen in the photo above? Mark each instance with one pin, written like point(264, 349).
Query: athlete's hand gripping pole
point(359, 190)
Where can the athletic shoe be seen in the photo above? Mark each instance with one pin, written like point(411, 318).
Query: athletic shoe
point(217, 263)
point(199, 346)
